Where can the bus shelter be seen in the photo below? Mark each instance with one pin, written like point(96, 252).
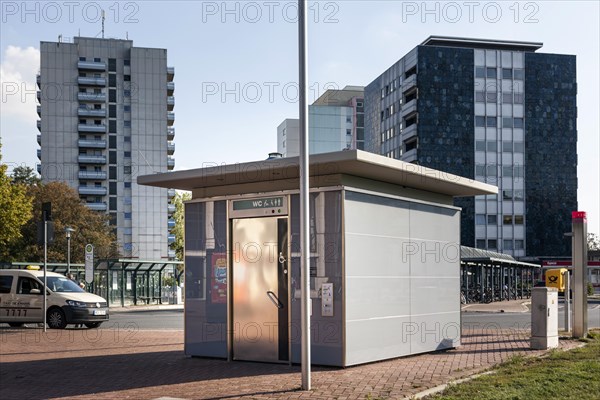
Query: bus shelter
point(384, 258)
point(124, 282)
point(487, 276)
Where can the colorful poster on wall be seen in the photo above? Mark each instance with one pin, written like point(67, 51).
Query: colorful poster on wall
point(219, 278)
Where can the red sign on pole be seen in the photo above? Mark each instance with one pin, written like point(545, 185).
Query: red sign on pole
point(578, 215)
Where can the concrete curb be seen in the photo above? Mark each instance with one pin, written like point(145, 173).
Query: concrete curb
point(508, 308)
point(170, 307)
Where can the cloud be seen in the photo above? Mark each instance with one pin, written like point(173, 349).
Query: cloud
point(17, 81)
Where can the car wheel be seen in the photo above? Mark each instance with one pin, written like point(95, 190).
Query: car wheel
point(56, 319)
point(93, 325)
point(15, 324)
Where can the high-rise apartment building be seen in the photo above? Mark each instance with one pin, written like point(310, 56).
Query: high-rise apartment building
point(336, 122)
point(495, 111)
point(106, 116)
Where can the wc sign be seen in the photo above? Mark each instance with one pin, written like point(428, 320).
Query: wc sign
point(267, 202)
point(259, 207)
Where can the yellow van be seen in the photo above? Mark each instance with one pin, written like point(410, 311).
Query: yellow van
point(22, 300)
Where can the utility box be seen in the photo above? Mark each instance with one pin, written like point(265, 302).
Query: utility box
point(555, 278)
point(544, 318)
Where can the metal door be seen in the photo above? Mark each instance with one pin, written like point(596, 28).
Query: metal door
point(260, 298)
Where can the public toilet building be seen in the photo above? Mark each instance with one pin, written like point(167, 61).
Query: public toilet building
point(384, 258)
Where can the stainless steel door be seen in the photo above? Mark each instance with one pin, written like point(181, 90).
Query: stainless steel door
point(260, 332)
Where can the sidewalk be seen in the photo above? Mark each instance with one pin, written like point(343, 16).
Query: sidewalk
point(111, 364)
point(510, 306)
point(146, 307)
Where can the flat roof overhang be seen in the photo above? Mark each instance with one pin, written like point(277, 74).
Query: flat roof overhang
point(476, 43)
point(278, 173)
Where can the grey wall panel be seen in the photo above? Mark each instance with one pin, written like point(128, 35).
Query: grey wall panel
point(205, 312)
point(402, 277)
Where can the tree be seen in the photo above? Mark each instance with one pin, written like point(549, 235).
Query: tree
point(178, 216)
point(593, 242)
point(15, 211)
point(67, 210)
point(25, 175)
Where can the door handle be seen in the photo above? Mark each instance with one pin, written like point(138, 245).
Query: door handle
point(274, 299)
point(282, 259)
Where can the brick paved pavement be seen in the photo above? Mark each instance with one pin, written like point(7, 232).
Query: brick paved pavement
point(108, 364)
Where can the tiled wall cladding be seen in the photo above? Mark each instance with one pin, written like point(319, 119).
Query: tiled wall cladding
point(550, 152)
point(445, 79)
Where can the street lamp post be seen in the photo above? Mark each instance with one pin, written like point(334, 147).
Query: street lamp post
point(68, 231)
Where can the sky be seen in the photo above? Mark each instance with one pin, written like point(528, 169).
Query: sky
point(236, 62)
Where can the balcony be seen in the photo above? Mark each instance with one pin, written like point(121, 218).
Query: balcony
point(171, 208)
point(96, 97)
point(91, 65)
point(85, 159)
point(410, 156)
point(170, 118)
point(409, 108)
point(91, 144)
point(171, 193)
point(171, 238)
point(170, 88)
point(171, 224)
point(92, 190)
point(170, 163)
point(96, 206)
point(91, 81)
point(170, 73)
point(92, 175)
point(38, 80)
point(409, 132)
point(39, 139)
point(39, 125)
point(91, 128)
point(170, 133)
point(39, 154)
point(409, 83)
point(170, 148)
point(91, 112)
point(39, 95)
point(170, 103)
point(38, 168)
point(39, 111)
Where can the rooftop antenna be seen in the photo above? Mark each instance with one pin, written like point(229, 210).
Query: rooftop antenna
point(102, 24)
point(60, 38)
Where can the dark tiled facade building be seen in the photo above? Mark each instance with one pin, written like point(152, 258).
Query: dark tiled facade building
point(494, 111)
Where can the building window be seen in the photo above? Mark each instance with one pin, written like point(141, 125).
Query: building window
point(518, 147)
point(112, 111)
point(480, 243)
point(507, 220)
point(127, 124)
point(126, 63)
point(127, 169)
point(507, 195)
point(490, 122)
point(518, 220)
point(127, 93)
point(519, 244)
point(479, 96)
point(518, 194)
point(127, 215)
point(112, 80)
point(491, 97)
point(507, 122)
point(127, 108)
point(492, 244)
point(112, 64)
point(492, 146)
point(480, 219)
point(480, 145)
point(127, 78)
point(127, 154)
point(491, 171)
point(479, 72)
point(492, 219)
point(508, 244)
point(519, 74)
point(479, 170)
point(507, 147)
point(127, 139)
point(506, 73)
point(519, 98)
point(127, 201)
point(490, 73)
point(81, 58)
point(479, 121)
point(518, 122)
point(518, 171)
point(507, 98)
point(507, 171)
point(112, 172)
point(112, 203)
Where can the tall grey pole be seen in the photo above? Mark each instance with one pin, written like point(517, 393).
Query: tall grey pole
point(68, 253)
point(579, 264)
point(304, 194)
point(567, 280)
point(45, 269)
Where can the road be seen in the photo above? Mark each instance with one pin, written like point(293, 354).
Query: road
point(173, 319)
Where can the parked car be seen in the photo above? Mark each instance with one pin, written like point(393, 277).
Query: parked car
point(22, 300)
